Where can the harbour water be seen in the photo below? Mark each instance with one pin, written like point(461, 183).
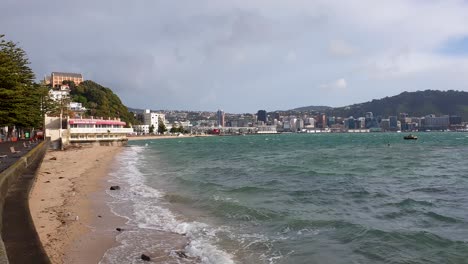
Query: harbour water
point(296, 198)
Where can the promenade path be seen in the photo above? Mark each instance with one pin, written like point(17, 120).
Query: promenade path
point(11, 158)
point(18, 232)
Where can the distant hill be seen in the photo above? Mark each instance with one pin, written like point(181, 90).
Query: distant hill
point(100, 101)
point(419, 103)
point(313, 108)
point(136, 110)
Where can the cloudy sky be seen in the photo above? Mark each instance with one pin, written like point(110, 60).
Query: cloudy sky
point(245, 55)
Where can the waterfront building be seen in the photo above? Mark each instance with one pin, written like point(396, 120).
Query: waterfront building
point(385, 124)
point(262, 116)
point(267, 130)
point(65, 131)
point(337, 128)
point(432, 122)
point(152, 119)
point(361, 122)
point(393, 122)
point(141, 129)
point(350, 123)
point(310, 122)
point(90, 130)
point(330, 121)
point(234, 123)
point(286, 125)
point(321, 121)
point(299, 124)
point(293, 124)
point(220, 118)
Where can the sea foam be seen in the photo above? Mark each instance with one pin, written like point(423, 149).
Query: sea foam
point(143, 206)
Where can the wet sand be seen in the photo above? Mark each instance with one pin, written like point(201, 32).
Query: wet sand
point(68, 204)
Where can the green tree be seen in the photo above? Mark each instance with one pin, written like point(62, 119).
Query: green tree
point(174, 129)
point(20, 98)
point(151, 129)
point(161, 126)
point(100, 101)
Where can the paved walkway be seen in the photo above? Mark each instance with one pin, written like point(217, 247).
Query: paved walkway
point(11, 158)
point(21, 240)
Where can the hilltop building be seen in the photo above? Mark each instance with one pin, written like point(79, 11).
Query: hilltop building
point(56, 78)
point(60, 94)
point(63, 93)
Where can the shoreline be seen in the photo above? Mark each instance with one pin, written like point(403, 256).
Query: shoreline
point(68, 204)
point(147, 137)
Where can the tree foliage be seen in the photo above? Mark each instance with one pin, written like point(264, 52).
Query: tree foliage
point(20, 98)
point(100, 101)
point(161, 126)
point(418, 103)
point(178, 129)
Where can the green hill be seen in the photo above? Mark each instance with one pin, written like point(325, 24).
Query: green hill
point(418, 103)
point(313, 108)
point(100, 101)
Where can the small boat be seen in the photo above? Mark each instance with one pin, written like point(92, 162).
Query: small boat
point(410, 137)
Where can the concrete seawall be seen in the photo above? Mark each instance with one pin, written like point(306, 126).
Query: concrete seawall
point(25, 166)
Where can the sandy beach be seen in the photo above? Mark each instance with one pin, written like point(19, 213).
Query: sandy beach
point(67, 204)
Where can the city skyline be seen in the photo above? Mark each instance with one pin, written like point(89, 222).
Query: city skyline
point(247, 55)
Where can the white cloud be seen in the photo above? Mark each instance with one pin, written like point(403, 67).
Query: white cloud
point(291, 56)
point(340, 48)
point(405, 63)
point(339, 84)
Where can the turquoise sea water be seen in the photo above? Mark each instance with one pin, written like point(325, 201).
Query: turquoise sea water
point(300, 198)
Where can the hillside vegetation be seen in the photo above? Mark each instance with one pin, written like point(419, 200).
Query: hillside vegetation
point(313, 108)
point(418, 103)
point(100, 101)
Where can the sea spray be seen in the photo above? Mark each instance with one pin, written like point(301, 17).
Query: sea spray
point(144, 209)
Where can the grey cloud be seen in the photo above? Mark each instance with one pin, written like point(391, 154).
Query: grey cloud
point(237, 55)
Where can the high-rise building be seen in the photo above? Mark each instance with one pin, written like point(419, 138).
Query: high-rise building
point(276, 116)
point(385, 124)
point(350, 123)
point(152, 119)
point(330, 121)
point(220, 115)
point(262, 116)
point(393, 122)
